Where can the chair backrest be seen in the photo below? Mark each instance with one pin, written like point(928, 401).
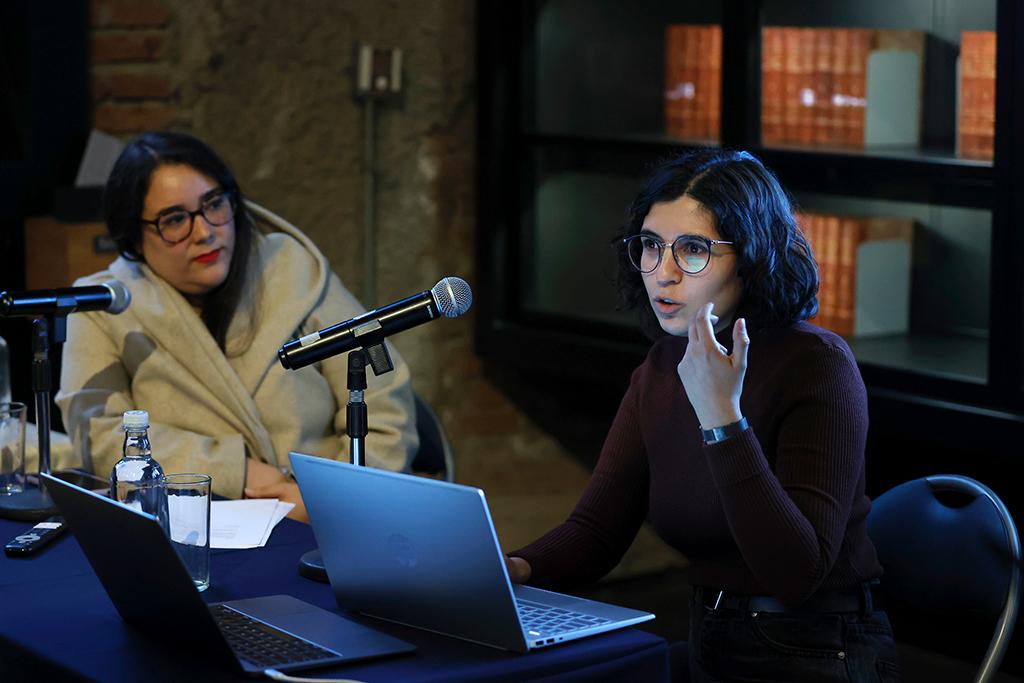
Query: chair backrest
point(947, 543)
point(435, 454)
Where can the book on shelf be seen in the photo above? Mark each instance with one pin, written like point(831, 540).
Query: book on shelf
point(976, 108)
point(693, 81)
point(853, 100)
point(714, 83)
point(824, 124)
point(845, 87)
point(773, 69)
point(864, 269)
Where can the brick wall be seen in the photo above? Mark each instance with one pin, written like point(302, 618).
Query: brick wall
point(132, 73)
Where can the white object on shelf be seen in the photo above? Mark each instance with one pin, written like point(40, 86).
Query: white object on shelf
point(882, 297)
point(893, 116)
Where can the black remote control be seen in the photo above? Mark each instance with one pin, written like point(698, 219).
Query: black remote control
point(35, 538)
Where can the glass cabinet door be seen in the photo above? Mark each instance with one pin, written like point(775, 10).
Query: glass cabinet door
point(603, 89)
point(910, 288)
point(608, 68)
point(882, 76)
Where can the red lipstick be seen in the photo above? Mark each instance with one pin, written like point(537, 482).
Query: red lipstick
point(209, 257)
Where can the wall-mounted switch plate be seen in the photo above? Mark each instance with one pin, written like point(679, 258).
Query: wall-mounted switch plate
point(378, 72)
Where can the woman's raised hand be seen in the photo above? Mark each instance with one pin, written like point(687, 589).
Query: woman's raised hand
point(712, 378)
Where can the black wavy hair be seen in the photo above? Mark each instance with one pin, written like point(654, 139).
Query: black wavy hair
point(124, 199)
point(751, 209)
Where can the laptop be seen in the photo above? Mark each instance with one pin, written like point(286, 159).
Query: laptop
point(276, 632)
point(423, 553)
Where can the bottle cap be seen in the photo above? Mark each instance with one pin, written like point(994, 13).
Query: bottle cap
point(135, 419)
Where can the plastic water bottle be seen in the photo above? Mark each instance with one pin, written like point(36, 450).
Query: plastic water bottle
point(136, 477)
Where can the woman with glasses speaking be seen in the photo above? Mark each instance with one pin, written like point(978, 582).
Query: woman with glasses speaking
point(741, 438)
point(212, 300)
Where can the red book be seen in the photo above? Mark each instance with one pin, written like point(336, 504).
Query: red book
point(675, 40)
point(811, 226)
point(791, 84)
point(830, 238)
point(824, 46)
point(840, 85)
point(805, 58)
point(772, 85)
point(984, 101)
point(860, 48)
point(970, 57)
point(715, 93)
point(691, 55)
point(851, 234)
point(702, 84)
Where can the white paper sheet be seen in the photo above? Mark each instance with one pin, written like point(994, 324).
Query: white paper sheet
point(245, 523)
point(280, 512)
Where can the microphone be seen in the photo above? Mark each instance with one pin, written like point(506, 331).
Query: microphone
point(112, 296)
point(450, 297)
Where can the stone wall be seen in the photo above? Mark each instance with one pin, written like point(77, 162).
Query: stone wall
point(270, 85)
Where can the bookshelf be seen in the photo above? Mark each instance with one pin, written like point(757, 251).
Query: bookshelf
point(572, 109)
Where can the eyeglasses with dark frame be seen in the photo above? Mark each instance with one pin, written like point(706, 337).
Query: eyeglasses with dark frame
point(175, 226)
point(692, 253)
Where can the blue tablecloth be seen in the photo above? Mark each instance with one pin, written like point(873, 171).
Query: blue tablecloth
point(56, 622)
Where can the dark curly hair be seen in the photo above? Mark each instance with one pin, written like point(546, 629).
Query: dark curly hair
point(749, 208)
point(125, 196)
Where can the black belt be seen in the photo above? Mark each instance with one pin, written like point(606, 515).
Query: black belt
point(863, 598)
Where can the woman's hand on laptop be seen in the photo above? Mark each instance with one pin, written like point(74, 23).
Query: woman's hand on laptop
point(519, 570)
point(287, 491)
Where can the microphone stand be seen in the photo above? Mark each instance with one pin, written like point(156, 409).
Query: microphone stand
point(34, 504)
point(311, 564)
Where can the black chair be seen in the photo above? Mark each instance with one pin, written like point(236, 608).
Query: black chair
point(434, 456)
point(949, 547)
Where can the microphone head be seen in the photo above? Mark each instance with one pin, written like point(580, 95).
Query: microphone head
point(453, 296)
point(121, 297)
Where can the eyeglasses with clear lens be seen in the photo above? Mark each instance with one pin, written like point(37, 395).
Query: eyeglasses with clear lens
point(692, 253)
point(176, 226)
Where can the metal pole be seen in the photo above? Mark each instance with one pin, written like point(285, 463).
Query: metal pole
point(41, 385)
point(356, 422)
point(369, 206)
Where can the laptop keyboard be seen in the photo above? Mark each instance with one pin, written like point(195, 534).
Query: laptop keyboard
point(545, 620)
point(264, 645)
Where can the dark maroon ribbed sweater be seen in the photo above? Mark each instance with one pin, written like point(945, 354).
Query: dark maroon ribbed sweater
point(779, 510)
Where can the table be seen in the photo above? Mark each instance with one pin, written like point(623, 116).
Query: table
point(56, 623)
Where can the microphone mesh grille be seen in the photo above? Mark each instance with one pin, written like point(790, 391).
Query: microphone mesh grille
point(453, 296)
point(121, 296)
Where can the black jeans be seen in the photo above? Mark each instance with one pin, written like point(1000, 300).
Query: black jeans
point(736, 645)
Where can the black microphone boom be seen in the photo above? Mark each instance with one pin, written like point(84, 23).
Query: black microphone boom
point(450, 297)
point(112, 296)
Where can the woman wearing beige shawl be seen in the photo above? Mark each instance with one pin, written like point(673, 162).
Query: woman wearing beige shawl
point(212, 301)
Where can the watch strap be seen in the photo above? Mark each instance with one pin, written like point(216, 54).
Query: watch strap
point(717, 434)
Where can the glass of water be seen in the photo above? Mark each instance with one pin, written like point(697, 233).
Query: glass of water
point(188, 516)
point(12, 448)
